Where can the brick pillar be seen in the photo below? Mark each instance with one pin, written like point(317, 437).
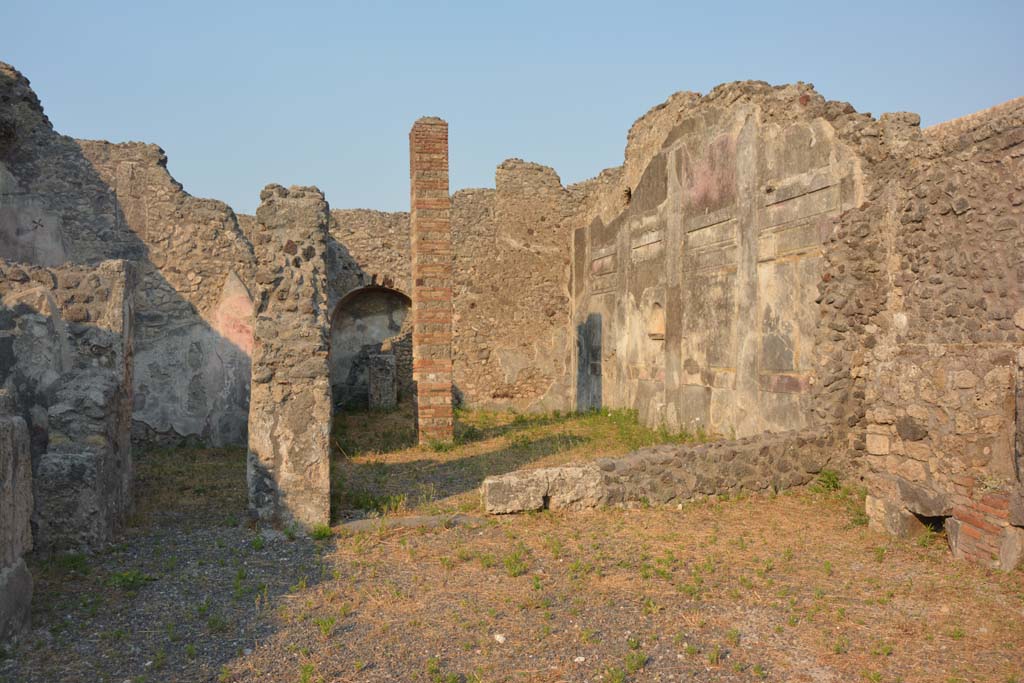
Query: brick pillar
point(432, 278)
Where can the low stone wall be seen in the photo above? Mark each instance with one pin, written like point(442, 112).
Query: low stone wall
point(66, 361)
point(666, 474)
point(15, 513)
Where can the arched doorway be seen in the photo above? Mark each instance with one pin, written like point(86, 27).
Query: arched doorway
point(369, 321)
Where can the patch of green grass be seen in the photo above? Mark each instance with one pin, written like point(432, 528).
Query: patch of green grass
point(325, 625)
point(130, 580)
point(614, 675)
point(217, 624)
point(635, 661)
point(516, 563)
point(71, 562)
point(827, 482)
point(321, 532)
point(437, 675)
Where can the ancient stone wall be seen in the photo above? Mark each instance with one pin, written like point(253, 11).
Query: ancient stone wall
point(930, 280)
point(63, 200)
point(512, 348)
point(431, 236)
point(15, 529)
point(54, 207)
point(66, 349)
point(695, 299)
point(369, 249)
point(511, 345)
point(290, 413)
point(194, 308)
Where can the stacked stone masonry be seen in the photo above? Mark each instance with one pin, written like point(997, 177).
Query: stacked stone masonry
point(80, 201)
point(290, 411)
point(66, 350)
point(432, 279)
point(664, 475)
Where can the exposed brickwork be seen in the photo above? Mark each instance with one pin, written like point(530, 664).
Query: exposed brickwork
point(432, 278)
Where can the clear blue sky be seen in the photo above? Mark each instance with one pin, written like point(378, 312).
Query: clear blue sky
point(247, 93)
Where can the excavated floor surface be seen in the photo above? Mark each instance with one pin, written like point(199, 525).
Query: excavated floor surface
point(793, 588)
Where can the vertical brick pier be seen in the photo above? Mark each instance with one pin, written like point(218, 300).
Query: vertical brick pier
point(432, 278)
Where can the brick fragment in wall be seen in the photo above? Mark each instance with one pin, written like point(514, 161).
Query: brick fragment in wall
point(290, 412)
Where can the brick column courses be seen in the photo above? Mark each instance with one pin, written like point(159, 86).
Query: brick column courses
point(432, 259)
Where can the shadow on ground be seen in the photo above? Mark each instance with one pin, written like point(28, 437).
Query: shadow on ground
point(184, 592)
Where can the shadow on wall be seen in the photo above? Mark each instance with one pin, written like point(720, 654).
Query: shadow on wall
point(50, 191)
point(65, 345)
point(588, 364)
point(68, 201)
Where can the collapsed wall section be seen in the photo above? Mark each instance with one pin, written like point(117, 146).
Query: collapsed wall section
point(290, 412)
point(668, 474)
point(66, 350)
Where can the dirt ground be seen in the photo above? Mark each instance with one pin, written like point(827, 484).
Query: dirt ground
point(790, 588)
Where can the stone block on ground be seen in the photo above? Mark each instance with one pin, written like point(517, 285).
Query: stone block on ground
point(548, 488)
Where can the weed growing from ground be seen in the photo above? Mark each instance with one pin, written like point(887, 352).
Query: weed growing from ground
point(635, 661)
point(614, 675)
point(130, 580)
point(515, 562)
point(325, 625)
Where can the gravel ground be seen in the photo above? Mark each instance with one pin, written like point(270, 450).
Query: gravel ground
point(792, 588)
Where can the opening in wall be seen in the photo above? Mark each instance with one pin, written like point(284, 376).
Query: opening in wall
point(656, 322)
